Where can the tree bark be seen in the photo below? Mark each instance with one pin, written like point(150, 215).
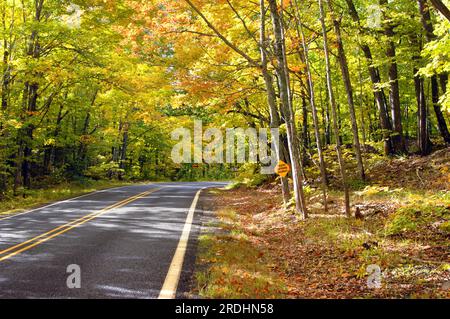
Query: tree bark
point(7, 52)
point(30, 97)
point(442, 8)
point(287, 108)
point(334, 111)
point(82, 149)
point(18, 170)
point(50, 152)
point(424, 11)
point(322, 166)
point(394, 88)
point(305, 129)
point(124, 147)
point(6, 78)
point(385, 121)
point(271, 95)
point(423, 140)
point(349, 90)
point(298, 187)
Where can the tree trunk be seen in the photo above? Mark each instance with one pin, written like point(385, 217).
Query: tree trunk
point(385, 121)
point(442, 8)
point(424, 11)
point(30, 98)
point(4, 101)
point(349, 89)
point(124, 147)
point(443, 79)
point(334, 111)
point(298, 187)
point(328, 124)
point(18, 170)
point(7, 52)
point(82, 150)
point(6, 78)
point(305, 129)
point(275, 120)
point(394, 88)
point(322, 166)
point(287, 109)
point(50, 152)
point(423, 140)
point(361, 104)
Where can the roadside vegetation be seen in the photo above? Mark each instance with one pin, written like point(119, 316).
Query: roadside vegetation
point(11, 205)
point(403, 228)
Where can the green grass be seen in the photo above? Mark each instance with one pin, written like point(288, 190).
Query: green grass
point(445, 227)
point(36, 197)
point(417, 209)
point(414, 217)
point(402, 196)
point(253, 181)
point(343, 233)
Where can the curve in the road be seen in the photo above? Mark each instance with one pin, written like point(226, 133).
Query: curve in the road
point(125, 248)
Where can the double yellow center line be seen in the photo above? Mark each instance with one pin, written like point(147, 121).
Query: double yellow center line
point(26, 245)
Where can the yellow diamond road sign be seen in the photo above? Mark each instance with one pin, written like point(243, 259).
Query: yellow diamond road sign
point(282, 169)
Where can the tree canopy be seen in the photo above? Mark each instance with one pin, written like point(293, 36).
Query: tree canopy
point(94, 88)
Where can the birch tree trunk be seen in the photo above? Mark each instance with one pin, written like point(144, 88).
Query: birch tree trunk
point(287, 108)
point(322, 165)
point(349, 90)
point(293, 145)
point(271, 95)
point(334, 110)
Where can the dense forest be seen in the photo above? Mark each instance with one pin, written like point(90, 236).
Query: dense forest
point(94, 88)
point(98, 95)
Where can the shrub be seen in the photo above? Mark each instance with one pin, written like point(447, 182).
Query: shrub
point(104, 170)
point(411, 218)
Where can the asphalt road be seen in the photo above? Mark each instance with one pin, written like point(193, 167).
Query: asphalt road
point(123, 251)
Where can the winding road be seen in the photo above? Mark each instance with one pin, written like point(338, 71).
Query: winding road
point(129, 242)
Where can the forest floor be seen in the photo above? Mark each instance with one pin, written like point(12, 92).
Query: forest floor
point(254, 248)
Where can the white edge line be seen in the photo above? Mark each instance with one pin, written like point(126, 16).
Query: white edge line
point(170, 286)
point(61, 202)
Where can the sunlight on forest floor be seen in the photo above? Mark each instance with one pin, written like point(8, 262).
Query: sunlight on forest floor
point(405, 231)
